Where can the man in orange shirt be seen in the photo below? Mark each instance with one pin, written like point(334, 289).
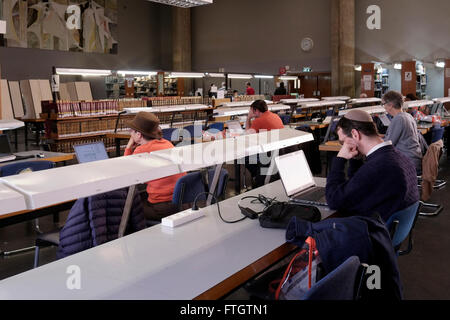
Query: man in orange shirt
point(260, 119)
point(146, 136)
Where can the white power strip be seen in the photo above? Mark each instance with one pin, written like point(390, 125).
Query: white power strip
point(182, 218)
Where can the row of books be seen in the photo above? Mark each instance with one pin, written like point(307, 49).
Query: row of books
point(66, 146)
point(66, 109)
point(249, 98)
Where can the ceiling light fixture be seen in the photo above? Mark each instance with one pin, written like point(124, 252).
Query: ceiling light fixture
point(184, 3)
point(288, 78)
point(440, 64)
point(239, 76)
point(263, 77)
point(137, 73)
point(186, 75)
point(216, 75)
point(398, 66)
point(83, 72)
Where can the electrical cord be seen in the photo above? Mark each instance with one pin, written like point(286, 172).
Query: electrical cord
point(195, 207)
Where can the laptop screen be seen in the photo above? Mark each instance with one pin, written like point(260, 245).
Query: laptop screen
point(90, 152)
point(5, 147)
point(294, 172)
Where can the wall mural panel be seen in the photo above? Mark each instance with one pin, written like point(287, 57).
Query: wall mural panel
point(48, 24)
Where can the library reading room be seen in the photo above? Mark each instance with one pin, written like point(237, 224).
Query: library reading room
point(224, 150)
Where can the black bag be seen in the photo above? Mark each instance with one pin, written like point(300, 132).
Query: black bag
point(279, 214)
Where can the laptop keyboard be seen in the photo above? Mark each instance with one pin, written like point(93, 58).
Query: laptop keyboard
point(315, 196)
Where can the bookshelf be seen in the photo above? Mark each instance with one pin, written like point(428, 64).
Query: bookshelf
point(421, 81)
point(381, 82)
point(414, 79)
point(68, 123)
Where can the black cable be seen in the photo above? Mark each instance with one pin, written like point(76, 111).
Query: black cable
point(195, 207)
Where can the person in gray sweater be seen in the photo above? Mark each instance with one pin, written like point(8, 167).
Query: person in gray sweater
point(403, 129)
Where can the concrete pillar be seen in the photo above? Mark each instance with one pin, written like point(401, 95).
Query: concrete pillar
point(181, 41)
point(181, 44)
point(343, 47)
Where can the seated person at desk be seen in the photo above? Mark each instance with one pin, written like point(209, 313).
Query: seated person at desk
point(146, 136)
point(281, 90)
point(260, 118)
point(403, 129)
point(264, 120)
point(384, 184)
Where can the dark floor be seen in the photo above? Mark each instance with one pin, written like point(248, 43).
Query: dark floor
point(423, 272)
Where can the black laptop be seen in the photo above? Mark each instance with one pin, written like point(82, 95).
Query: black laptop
point(298, 180)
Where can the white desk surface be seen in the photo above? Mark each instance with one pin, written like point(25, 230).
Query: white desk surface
point(11, 200)
point(11, 124)
point(44, 188)
point(365, 100)
point(297, 101)
point(344, 98)
point(160, 263)
point(227, 112)
point(201, 155)
point(320, 104)
point(417, 103)
point(240, 104)
point(370, 110)
point(442, 100)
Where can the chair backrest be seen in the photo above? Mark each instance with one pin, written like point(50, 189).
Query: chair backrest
point(216, 125)
point(404, 220)
point(26, 166)
point(188, 188)
point(339, 284)
point(285, 118)
point(437, 133)
point(192, 131)
point(222, 183)
point(171, 134)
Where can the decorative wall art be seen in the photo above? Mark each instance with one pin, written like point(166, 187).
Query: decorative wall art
point(68, 25)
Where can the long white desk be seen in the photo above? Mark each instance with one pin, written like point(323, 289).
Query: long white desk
point(159, 262)
point(343, 98)
point(11, 201)
point(370, 110)
point(417, 103)
point(297, 101)
point(229, 112)
point(442, 100)
point(238, 104)
point(364, 100)
point(319, 104)
point(11, 124)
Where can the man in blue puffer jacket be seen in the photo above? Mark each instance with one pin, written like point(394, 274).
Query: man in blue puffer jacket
point(95, 220)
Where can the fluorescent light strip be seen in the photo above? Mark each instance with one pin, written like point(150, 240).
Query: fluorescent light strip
point(288, 78)
point(137, 73)
point(215, 75)
point(186, 75)
point(263, 77)
point(398, 66)
point(83, 72)
point(239, 76)
point(440, 64)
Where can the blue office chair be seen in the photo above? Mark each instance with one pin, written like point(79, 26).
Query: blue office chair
point(23, 167)
point(437, 133)
point(193, 184)
point(330, 113)
point(339, 284)
point(171, 134)
point(26, 166)
point(189, 133)
point(285, 118)
point(216, 126)
point(400, 226)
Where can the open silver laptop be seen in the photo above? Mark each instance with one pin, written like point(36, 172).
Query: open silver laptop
point(90, 152)
point(298, 180)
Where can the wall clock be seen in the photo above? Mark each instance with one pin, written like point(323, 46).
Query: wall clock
point(307, 44)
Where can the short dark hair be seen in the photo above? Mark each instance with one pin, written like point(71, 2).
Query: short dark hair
point(248, 83)
point(393, 97)
point(260, 105)
point(411, 96)
point(366, 128)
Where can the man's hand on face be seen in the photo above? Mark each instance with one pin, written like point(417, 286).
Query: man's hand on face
point(251, 114)
point(349, 150)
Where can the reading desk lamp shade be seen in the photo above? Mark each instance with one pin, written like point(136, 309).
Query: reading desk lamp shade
point(184, 3)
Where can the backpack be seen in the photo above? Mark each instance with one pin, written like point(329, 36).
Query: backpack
point(291, 281)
